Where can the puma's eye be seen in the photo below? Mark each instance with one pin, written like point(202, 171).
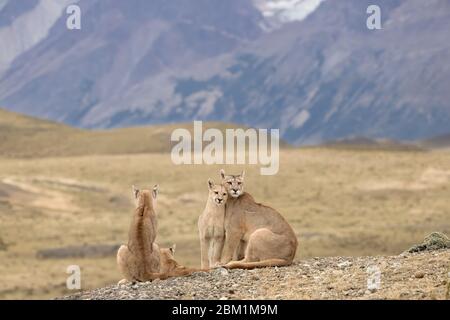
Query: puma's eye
point(230, 183)
point(224, 194)
point(216, 192)
point(239, 183)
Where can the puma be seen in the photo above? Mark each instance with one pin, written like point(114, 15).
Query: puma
point(211, 226)
point(256, 234)
point(142, 259)
point(170, 267)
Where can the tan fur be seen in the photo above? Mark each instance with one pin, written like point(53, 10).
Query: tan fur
point(211, 226)
point(142, 259)
point(255, 233)
point(139, 260)
point(170, 267)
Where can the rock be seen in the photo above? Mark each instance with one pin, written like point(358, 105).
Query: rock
point(433, 241)
point(344, 264)
point(335, 281)
point(370, 291)
point(419, 275)
point(222, 271)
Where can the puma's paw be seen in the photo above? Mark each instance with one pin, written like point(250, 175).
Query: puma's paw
point(217, 265)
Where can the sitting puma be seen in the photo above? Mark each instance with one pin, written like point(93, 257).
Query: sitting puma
point(255, 233)
point(140, 259)
point(210, 226)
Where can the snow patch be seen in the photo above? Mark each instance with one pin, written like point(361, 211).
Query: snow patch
point(300, 119)
point(285, 11)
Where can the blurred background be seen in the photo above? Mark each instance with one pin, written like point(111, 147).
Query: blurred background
point(364, 116)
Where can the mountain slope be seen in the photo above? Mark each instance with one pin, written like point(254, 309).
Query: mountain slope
point(323, 78)
point(26, 137)
point(439, 142)
point(120, 45)
point(319, 81)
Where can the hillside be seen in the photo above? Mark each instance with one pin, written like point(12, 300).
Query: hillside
point(362, 143)
point(410, 276)
point(439, 142)
point(28, 137)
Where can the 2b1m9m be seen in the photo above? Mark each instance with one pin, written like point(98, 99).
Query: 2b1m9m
point(246, 309)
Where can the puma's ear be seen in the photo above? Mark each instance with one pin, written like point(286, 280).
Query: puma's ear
point(155, 191)
point(222, 173)
point(243, 174)
point(135, 191)
point(210, 184)
point(172, 249)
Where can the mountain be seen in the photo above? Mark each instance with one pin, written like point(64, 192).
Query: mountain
point(439, 142)
point(310, 68)
point(71, 73)
point(322, 81)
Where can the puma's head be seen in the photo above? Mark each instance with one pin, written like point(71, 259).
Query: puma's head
point(217, 193)
point(145, 199)
point(234, 184)
point(168, 253)
point(167, 260)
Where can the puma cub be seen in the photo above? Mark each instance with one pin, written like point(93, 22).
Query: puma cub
point(170, 267)
point(211, 226)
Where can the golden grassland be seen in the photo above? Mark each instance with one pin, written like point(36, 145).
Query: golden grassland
point(340, 202)
point(27, 137)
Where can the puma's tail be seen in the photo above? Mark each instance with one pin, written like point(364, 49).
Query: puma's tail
point(177, 272)
point(183, 271)
point(257, 264)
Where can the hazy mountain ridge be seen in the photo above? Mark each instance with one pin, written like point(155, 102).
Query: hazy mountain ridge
point(323, 78)
point(120, 44)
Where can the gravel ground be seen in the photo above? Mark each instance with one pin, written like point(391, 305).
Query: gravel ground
point(423, 275)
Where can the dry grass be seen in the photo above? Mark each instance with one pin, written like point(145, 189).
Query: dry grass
point(26, 137)
point(340, 202)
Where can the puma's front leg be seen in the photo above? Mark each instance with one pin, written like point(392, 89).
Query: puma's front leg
point(124, 263)
point(218, 244)
point(232, 241)
point(204, 247)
